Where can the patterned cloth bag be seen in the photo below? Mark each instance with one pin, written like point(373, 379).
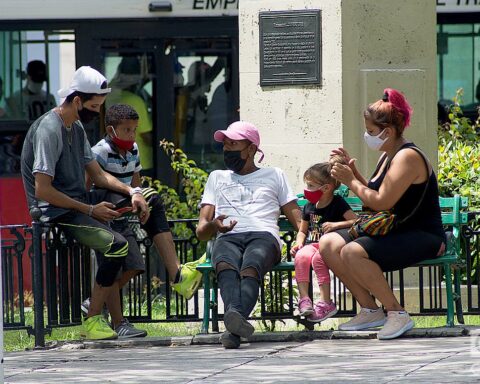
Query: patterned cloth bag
point(383, 222)
point(374, 224)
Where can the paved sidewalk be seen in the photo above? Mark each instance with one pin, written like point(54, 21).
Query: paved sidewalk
point(406, 360)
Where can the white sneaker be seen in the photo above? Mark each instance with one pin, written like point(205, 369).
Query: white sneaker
point(396, 325)
point(364, 320)
point(85, 306)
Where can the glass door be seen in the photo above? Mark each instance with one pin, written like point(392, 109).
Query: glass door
point(458, 48)
point(205, 97)
point(32, 67)
point(182, 89)
point(131, 75)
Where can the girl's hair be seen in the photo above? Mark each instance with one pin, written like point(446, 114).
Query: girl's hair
point(320, 173)
point(392, 110)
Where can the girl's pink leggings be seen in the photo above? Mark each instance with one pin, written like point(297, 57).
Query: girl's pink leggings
point(306, 256)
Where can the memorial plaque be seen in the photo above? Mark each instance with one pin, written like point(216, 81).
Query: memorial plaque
point(290, 47)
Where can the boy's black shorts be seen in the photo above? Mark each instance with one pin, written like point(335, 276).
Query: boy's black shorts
point(157, 222)
point(134, 260)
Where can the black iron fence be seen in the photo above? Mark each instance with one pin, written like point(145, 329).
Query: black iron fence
point(13, 248)
point(470, 234)
point(63, 272)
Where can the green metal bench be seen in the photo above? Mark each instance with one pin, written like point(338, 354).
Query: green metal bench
point(454, 216)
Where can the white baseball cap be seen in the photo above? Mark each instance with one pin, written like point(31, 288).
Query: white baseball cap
point(86, 80)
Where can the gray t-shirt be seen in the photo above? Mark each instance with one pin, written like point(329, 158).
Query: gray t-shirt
point(51, 149)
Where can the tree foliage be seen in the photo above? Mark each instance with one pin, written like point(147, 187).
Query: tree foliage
point(459, 155)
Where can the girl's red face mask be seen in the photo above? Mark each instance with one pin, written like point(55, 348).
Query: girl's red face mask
point(313, 196)
point(314, 191)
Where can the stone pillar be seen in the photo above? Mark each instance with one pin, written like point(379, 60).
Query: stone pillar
point(367, 45)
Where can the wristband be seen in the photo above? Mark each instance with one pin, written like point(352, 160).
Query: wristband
point(135, 190)
point(90, 210)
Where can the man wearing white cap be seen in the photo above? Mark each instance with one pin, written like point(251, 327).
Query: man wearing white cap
point(249, 245)
point(55, 156)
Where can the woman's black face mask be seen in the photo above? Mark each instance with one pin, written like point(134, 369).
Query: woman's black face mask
point(233, 160)
point(87, 115)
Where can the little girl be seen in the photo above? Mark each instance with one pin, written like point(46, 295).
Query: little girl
point(324, 212)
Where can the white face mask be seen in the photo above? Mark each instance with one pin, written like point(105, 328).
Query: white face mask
point(374, 142)
point(34, 87)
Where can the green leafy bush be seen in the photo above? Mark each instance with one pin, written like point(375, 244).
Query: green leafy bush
point(459, 166)
point(184, 205)
point(459, 156)
point(192, 182)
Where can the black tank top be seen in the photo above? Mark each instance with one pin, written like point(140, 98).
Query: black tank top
point(427, 217)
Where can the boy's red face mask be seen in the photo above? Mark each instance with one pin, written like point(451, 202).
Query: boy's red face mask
point(126, 145)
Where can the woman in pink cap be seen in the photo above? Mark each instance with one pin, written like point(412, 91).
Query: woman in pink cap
point(248, 246)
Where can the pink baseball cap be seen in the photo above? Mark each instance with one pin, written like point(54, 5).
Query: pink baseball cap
point(240, 130)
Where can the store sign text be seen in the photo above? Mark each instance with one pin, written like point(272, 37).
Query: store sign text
point(215, 4)
point(444, 6)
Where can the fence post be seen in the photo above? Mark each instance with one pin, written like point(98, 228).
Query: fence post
point(39, 328)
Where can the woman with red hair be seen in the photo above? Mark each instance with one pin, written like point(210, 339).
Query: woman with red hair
point(404, 183)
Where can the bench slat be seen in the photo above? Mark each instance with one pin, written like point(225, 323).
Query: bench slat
point(448, 259)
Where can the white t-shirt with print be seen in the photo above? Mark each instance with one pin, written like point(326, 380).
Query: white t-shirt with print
point(253, 200)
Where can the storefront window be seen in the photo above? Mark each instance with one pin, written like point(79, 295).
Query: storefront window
point(33, 65)
point(458, 47)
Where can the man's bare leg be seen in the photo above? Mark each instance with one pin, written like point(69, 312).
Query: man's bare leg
point(99, 296)
point(113, 300)
point(166, 248)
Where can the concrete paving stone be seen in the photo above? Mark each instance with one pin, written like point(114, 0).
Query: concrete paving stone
point(419, 360)
point(143, 342)
point(136, 365)
point(346, 363)
point(284, 336)
point(472, 330)
point(205, 339)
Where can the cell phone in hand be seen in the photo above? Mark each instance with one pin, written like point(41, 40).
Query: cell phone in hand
point(123, 210)
point(123, 206)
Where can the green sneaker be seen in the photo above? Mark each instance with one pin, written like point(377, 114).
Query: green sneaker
point(96, 328)
point(201, 260)
point(190, 278)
